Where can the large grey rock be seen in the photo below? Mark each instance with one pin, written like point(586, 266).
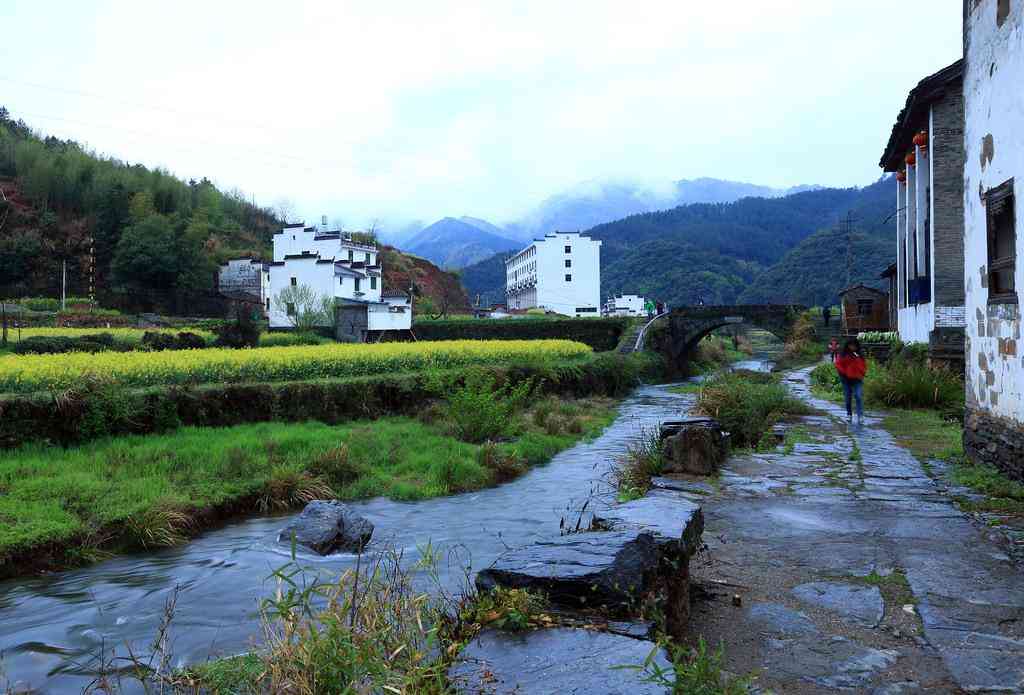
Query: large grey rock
point(776, 619)
point(860, 604)
point(327, 527)
point(610, 568)
point(568, 661)
point(676, 522)
point(697, 446)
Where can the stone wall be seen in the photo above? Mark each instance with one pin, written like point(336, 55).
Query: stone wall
point(995, 441)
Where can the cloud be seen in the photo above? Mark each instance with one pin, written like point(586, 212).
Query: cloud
point(407, 110)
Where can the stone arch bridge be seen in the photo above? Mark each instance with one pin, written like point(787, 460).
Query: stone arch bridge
point(680, 330)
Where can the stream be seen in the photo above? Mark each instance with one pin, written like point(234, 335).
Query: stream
point(54, 628)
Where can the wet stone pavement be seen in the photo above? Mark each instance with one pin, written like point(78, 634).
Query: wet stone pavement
point(853, 569)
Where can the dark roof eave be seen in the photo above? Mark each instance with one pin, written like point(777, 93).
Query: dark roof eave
point(927, 91)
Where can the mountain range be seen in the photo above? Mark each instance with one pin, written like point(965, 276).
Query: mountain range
point(455, 243)
point(756, 249)
point(458, 242)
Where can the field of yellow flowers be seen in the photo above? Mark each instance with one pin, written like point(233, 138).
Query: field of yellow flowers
point(30, 373)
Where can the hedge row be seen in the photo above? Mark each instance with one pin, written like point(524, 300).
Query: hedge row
point(601, 334)
point(99, 409)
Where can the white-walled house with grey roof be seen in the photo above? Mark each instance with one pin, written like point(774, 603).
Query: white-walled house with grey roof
point(332, 265)
point(560, 272)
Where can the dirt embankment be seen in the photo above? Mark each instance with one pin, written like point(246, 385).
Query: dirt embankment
point(402, 271)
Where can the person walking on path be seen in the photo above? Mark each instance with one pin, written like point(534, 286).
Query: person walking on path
point(833, 349)
point(852, 368)
point(826, 314)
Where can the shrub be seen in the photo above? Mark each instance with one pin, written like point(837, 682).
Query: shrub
point(160, 340)
point(281, 339)
point(52, 345)
point(643, 460)
point(480, 409)
point(904, 382)
point(746, 408)
point(243, 332)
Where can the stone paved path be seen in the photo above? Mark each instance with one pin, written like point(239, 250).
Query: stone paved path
point(854, 571)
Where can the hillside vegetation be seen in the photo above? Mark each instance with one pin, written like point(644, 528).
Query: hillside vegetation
point(152, 230)
point(751, 250)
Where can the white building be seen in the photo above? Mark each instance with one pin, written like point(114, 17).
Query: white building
point(625, 305)
point(560, 273)
point(333, 265)
point(994, 232)
point(926, 152)
point(245, 276)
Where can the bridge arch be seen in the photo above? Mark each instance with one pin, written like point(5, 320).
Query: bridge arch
point(687, 326)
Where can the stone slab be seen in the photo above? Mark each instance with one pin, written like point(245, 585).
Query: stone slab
point(670, 518)
point(860, 604)
point(569, 661)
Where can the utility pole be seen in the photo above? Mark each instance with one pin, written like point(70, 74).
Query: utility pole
point(846, 228)
point(63, 284)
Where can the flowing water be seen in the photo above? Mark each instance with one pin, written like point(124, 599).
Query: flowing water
point(54, 628)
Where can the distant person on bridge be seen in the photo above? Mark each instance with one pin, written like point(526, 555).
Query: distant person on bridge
point(826, 313)
point(852, 368)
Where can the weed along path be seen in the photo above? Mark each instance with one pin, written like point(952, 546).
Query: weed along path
point(56, 629)
point(836, 563)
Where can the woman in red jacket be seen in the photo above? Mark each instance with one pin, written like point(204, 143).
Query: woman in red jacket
point(852, 367)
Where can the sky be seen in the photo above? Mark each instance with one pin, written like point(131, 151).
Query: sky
point(400, 111)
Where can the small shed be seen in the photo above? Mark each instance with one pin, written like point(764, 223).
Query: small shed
point(864, 309)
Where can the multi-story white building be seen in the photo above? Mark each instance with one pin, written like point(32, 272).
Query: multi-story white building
point(332, 265)
point(926, 152)
point(994, 232)
point(560, 273)
point(625, 305)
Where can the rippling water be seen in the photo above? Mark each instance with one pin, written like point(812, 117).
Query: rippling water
point(53, 628)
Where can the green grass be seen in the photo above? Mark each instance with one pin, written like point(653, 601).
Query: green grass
point(65, 506)
point(748, 404)
point(1004, 495)
point(894, 586)
point(926, 433)
point(236, 675)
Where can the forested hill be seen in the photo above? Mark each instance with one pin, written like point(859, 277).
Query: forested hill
point(724, 253)
point(152, 230)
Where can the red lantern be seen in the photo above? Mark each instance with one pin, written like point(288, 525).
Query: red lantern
point(921, 139)
point(901, 176)
point(910, 159)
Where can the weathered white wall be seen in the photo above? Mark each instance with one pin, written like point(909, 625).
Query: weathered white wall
point(318, 276)
point(627, 305)
point(392, 314)
point(994, 138)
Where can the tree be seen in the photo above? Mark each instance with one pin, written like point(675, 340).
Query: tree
point(305, 308)
point(147, 254)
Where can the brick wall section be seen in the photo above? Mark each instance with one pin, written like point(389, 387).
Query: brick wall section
point(948, 190)
point(995, 441)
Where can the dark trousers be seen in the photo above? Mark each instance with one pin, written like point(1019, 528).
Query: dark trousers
point(853, 390)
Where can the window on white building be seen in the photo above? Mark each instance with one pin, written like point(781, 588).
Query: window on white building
point(568, 249)
point(373, 283)
point(295, 282)
point(1002, 244)
point(568, 277)
point(357, 284)
point(568, 263)
point(350, 255)
point(367, 259)
point(289, 309)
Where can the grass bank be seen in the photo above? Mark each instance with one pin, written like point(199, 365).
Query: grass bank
point(747, 404)
point(67, 506)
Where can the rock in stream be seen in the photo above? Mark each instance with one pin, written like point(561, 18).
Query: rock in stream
point(326, 527)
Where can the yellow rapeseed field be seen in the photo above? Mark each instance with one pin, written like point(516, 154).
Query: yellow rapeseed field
point(29, 373)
